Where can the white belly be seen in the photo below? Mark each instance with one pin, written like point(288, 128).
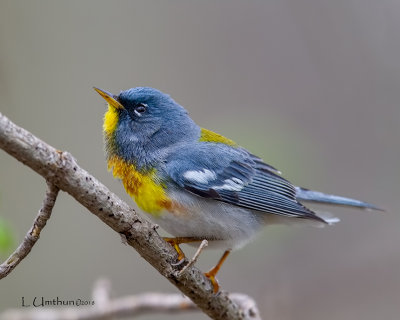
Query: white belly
point(223, 225)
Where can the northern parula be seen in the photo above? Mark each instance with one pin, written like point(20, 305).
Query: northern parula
point(195, 183)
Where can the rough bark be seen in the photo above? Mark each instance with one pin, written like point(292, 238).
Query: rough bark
point(62, 170)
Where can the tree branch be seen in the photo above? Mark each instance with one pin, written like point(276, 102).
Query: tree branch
point(62, 170)
point(131, 306)
point(33, 234)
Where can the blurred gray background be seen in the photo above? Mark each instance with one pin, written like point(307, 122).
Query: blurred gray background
point(312, 86)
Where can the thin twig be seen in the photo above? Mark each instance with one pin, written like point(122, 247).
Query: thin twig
point(102, 293)
point(192, 261)
point(33, 234)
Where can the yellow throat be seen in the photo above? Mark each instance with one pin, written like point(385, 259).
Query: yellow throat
point(143, 187)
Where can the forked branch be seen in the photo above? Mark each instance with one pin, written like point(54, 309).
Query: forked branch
point(61, 169)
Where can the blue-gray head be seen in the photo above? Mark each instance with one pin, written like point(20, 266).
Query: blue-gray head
point(141, 122)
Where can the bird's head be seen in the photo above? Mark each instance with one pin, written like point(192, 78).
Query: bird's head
point(141, 122)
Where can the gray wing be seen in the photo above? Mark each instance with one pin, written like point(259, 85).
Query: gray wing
point(234, 176)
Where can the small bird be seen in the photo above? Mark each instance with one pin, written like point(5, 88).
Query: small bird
point(195, 183)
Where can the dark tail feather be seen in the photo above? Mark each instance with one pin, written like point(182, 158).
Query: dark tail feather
point(303, 194)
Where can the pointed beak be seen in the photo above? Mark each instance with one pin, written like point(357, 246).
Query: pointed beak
point(110, 98)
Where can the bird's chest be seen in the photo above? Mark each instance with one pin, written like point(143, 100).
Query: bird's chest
point(143, 187)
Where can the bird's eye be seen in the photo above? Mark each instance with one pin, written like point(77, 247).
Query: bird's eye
point(140, 108)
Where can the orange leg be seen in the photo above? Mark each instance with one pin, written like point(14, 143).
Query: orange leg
point(213, 272)
point(175, 242)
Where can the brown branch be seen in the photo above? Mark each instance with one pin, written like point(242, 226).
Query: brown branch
point(61, 169)
point(131, 306)
point(33, 234)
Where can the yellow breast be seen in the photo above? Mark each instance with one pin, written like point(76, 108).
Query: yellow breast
point(148, 194)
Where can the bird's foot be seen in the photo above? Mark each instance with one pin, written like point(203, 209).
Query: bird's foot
point(211, 275)
point(213, 272)
point(175, 242)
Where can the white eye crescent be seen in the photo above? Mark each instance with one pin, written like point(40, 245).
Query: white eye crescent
point(140, 108)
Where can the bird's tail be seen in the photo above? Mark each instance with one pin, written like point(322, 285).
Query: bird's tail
point(303, 194)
